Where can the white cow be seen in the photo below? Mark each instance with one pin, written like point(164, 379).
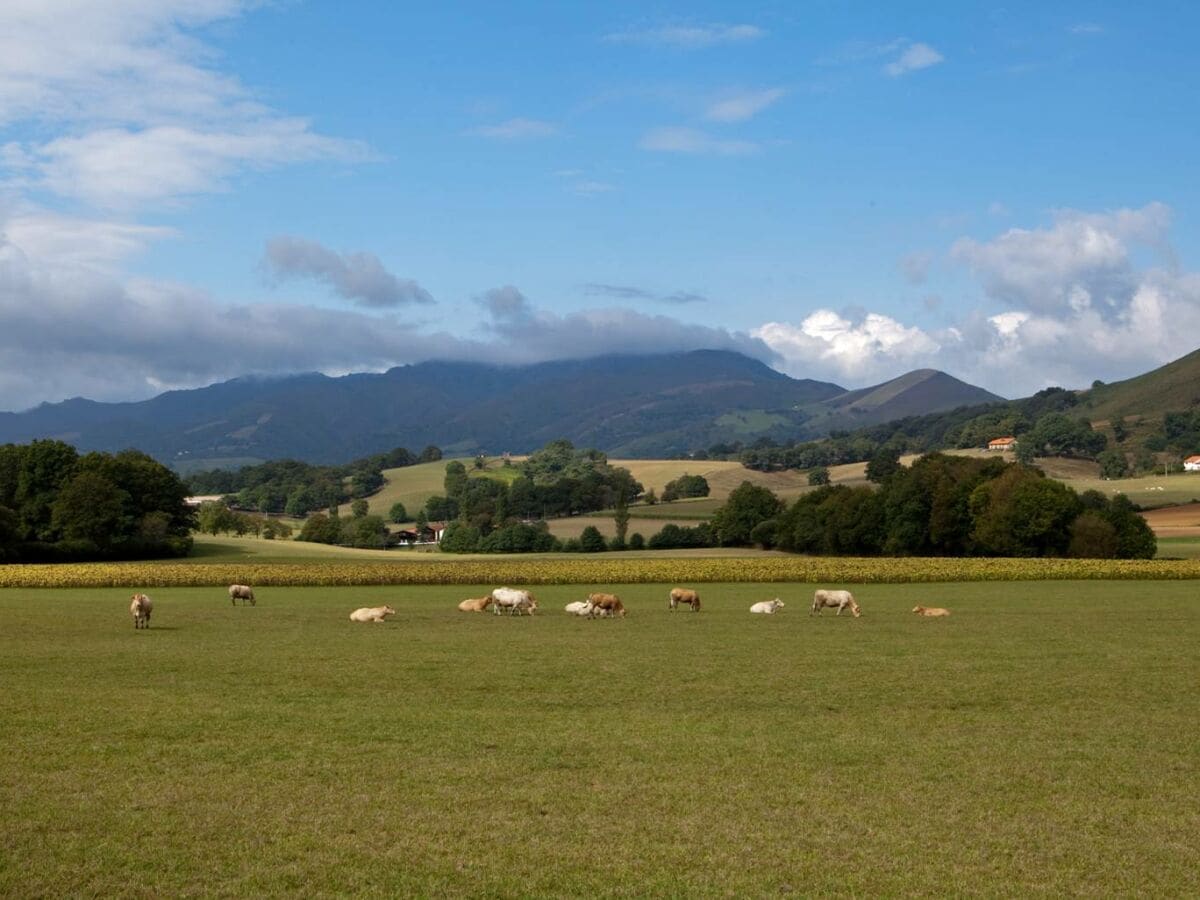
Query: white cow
point(579, 608)
point(515, 601)
point(241, 592)
point(371, 614)
point(767, 607)
point(840, 599)
point(140, 607)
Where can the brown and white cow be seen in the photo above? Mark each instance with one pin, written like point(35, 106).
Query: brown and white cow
point(685, 595)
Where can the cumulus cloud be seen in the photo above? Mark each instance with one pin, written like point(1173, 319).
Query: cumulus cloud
point(359, 277)
point(914, 57)
point(693, 141)
point(688, 37)
point(1081, 262)
point(874, 348)
point(517, 129)
point(741, 105)
point(1074, 305)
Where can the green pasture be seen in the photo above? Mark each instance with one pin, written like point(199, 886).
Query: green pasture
point(1039, 742)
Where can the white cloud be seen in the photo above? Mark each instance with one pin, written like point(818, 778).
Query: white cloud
point(515, 130)
point(742, 105)
point(916, 56)
point(1087, 29)
point(689, 37)
point(143, 116)
point(693, 141)
point(826, 344)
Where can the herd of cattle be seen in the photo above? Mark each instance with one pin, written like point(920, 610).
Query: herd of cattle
point(521, 602)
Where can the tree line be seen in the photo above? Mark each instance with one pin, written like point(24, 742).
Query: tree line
point(56, 504)
point(297, 488)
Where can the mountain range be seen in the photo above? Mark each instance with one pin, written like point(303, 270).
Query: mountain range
point(633, 406)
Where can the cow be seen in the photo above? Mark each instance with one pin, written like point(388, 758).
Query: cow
point(931, 611)
point(580, 608)
point(515, 601)
point(684, 595)
point(372, 614)
point(479, 604)
point(767, 607)
point(840, 599)
point(140, 607)
point(607, 603)
point(241, 592)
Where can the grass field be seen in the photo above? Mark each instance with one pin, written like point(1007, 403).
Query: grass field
point(1041, 741)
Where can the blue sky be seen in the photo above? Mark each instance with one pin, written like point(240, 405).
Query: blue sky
point(191, 191)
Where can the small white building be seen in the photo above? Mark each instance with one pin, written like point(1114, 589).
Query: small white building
point(1002, 443)
point(1192, 464)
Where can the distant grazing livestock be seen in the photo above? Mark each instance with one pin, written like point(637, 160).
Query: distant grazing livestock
point(930, 611)
point(579, 608)
point(371, 614)
point(515, 601)
point(683, 595)
point(479, 604)
point(607, 603)
point(140, 607)
point(840, 599)
point(241, 592)
point(767, 607)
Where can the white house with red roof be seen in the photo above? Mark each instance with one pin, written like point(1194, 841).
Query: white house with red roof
point(1002, 443)
point(1192, 464)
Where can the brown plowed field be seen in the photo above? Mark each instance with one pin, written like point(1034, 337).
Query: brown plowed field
point(1175, 521)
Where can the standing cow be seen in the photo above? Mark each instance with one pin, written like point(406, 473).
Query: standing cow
point(515, 601)
point(840, 599)
point(140, 607)
point(684, 595)
point(241, 592)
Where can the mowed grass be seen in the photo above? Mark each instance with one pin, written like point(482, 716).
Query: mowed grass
point(1041, 741)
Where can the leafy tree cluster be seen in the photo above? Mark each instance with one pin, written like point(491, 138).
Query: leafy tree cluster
point(369, 532)
point(1057, 434)
point(954, 506)
point(1180, 433)
point(296, 488)
point(56, 504)
point(685, 486)
point(556, 481)
point(216, 518)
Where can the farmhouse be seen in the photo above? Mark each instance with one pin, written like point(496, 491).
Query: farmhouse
point(430, 534)
point(1002, 443)
point(1192, 464)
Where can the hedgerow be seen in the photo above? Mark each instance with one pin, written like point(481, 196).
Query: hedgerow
point(823, 570)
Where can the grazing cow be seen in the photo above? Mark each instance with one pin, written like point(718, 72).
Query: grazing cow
point(580, 608)
point(479, 604)
point(372, 614)
point(767, 607)
point(683, 595)
point(607, 603)
point(515, 601)
point(840, 599)
point(930, 611)
point(241, 592)
point(140, 607)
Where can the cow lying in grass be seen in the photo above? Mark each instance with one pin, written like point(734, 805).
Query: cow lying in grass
point(683, 595)
point(479, 604)
point(371, 614)
point(767, 607)
point(840, 599)
point(580, 608)
point(140, 607)
point(930, 611)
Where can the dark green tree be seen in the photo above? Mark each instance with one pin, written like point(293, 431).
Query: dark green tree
point(398, 513)
point(747, 506)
